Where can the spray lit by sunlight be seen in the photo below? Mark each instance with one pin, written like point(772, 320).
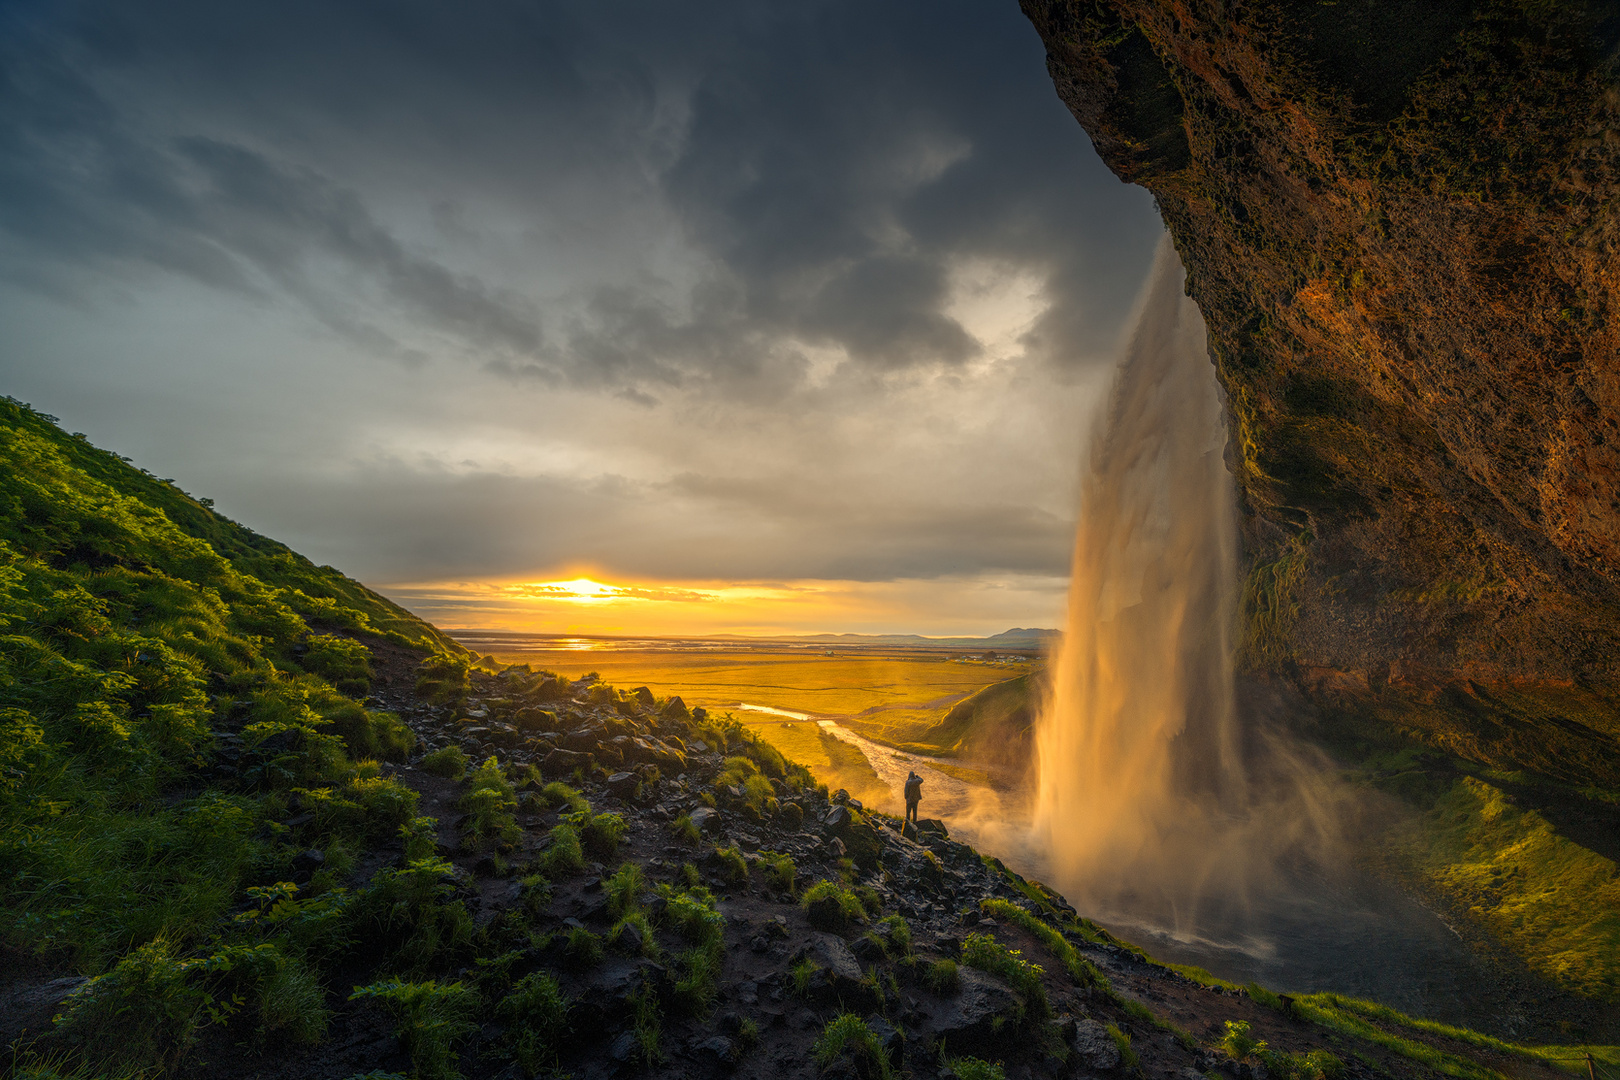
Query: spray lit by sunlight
point(1153, 802)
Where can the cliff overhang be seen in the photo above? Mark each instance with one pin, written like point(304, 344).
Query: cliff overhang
point(1397, 217)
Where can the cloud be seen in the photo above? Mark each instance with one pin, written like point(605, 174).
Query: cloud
point(824, 164)
point(457, 291)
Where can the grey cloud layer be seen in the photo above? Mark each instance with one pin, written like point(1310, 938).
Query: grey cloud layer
point(683, 210)
point(461, 526)
point(830, 160)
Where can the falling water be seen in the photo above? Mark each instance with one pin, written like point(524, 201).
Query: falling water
point(1144, 803)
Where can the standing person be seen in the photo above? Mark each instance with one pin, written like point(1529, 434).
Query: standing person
point(913, 796)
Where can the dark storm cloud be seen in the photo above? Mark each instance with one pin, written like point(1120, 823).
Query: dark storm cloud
point(841, 161)
point(78, 186)
point(831, 161)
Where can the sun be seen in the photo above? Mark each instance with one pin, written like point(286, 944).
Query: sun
point(580, 589)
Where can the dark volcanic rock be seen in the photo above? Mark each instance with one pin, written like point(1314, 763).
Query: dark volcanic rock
point(562, 762)
point(1093, 1047)
point(975, 1016)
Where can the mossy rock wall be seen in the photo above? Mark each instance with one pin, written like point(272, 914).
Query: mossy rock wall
point(1398, 220)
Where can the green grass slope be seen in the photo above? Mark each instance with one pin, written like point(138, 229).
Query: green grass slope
point(315, 592)
point(994, 725)
point(166, 689)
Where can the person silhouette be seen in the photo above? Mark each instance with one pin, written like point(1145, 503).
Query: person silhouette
point(913, 796)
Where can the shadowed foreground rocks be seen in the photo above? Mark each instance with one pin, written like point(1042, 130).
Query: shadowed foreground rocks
point(1051, 995)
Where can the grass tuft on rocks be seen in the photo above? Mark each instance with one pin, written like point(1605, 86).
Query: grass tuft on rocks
point(449, 762)
point(972, 1068)
point(832, 907)
point(536, 1017)
point(431, 1020)
point(943, 978)
point(987, 954)
point(848, 1036)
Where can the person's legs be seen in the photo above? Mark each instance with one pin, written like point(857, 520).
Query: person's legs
point(911, 812)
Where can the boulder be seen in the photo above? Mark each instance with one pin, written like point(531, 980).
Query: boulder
point(585, 739)
point(890, 1038)
point(868, 950)
point(860, 839)
point(554, 689)
point(644, 696)
point(307, 862)
point(718, 1050)
point(624, 1045)
point(650, 751)
point(829, 953)
point(706, 818)
point(629, 939)
point(975, 1018)
point(1093, 1046)
point(563, 762)
point(530, 718)
point(664, 755)
point(674, 709)
point(837, 978)
point(826, 911)
point(27, 1006)
point(624, 785)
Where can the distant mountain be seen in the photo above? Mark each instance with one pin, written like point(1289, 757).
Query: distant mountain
point(1017, 638)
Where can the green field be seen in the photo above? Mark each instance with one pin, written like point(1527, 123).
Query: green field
point(890, 695)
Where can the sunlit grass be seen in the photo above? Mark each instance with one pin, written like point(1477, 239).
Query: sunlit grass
point(1555, 902)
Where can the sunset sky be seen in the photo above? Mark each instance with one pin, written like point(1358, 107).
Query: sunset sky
point(771, 317)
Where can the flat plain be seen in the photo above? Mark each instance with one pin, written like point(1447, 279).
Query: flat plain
point(890, 694)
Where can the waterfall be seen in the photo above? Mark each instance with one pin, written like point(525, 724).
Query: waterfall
point(1142, 803)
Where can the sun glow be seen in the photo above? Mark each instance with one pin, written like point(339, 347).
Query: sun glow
point(578, 589)
point(587, 605)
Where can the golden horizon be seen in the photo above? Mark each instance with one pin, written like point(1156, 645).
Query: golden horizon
point(593, 602)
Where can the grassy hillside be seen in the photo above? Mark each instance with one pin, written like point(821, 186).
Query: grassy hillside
point(992, 725)
point(169, 685)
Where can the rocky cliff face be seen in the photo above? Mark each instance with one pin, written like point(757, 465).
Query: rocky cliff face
point(1398, 219)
